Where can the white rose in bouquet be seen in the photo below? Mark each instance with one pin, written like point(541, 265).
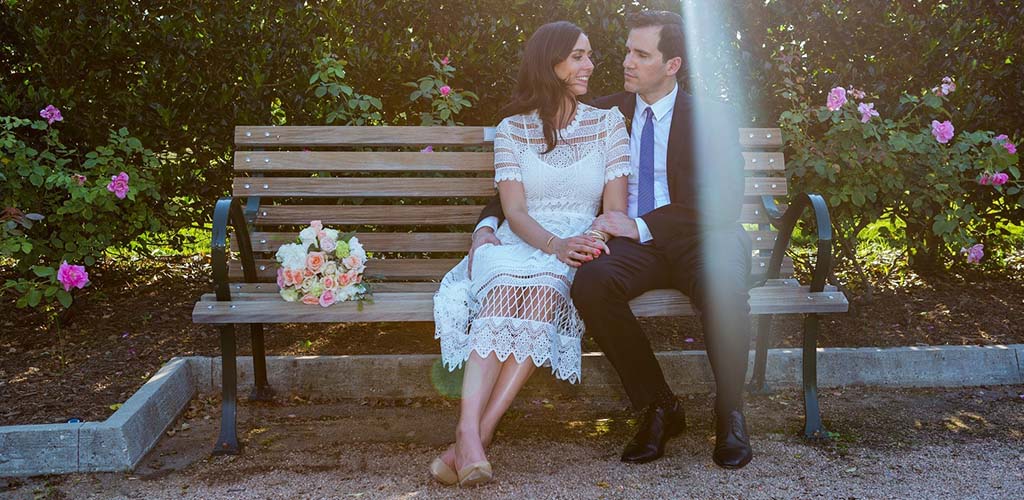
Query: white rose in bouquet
point(355, 248)
point(292, 256)
point(308, 237)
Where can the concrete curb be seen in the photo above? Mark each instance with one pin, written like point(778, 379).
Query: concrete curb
point(421, 375)
point(116, 444)
point(120, 442)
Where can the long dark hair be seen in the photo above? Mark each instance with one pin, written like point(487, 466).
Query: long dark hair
point(538, 87)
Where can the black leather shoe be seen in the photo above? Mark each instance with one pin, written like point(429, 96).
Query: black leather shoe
point(657, 425)
point(732, 443)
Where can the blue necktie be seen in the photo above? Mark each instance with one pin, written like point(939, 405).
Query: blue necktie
point(645, 193)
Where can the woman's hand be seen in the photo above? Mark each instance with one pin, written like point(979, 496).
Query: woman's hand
point(576, 250)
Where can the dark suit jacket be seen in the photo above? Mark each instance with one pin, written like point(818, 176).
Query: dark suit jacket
point(703, 194)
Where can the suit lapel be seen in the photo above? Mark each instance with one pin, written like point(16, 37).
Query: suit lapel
point(679, 147)
point(628, 107)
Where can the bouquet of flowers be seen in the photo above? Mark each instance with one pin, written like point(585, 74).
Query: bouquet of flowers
point(322, 267)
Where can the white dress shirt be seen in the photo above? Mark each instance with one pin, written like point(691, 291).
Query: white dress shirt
point(662, 123)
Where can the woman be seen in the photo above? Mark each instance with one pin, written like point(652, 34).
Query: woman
point(556, 163)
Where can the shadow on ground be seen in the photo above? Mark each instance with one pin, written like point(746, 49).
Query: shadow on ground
point(887, 443)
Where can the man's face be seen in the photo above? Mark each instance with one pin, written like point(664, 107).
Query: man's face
point(644, 67)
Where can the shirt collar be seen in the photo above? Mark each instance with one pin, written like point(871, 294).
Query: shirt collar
point(662, 106)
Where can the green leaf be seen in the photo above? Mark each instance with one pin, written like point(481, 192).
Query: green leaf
point(43, 271)
point(64, 298)
point(320, 91)
point(314, 78)
point(34, 296)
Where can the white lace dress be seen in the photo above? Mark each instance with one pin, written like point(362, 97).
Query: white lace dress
point(517, 302)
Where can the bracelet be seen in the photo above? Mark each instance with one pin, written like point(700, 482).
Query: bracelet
point(548, 243)
point(601, 235)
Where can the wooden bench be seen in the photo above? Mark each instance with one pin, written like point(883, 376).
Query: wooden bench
point(415, 211)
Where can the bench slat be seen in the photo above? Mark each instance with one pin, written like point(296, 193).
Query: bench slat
point(400, 161)
point(420, 307)
point(280, 215)
point(430, 269)
point(406, 215)
point(764, 161)
point(377, 242)
point(362, 187)
point(326, 136)
point(761, 138)
point(415, 187)
point(303, 136)
point(363, 161)
point(429, 242)
point(254, 289)
point(382, 269)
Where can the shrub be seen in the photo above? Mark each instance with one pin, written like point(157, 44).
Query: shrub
point(63, 207)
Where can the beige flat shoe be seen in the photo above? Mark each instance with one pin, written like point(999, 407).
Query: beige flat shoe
point(442, 473)
point(475, 473)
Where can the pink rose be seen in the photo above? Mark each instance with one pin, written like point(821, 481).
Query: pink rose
point(999, 138)
point(445, 61)
point(836, 98)
point(445, 90)
point(352, 262)
point(280, 278)
point(72, 276)
point(316, 225)
point(428, 149)
point(329, 282)
point(294, 276)
point(943, 131)
point(51, 114)
point(1010, 148)
point(79, 179)
point(985, 179)
point(974, 254)
point(119, 185)
point(315, 260)
point(344, 280)
point(327, 298)
point(856, 94)
point(327, 243)
point(1000, 179)
point(867, 110)
point(310, 299)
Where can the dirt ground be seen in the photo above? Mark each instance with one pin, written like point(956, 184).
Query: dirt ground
point(962, 443)
point(138, 315)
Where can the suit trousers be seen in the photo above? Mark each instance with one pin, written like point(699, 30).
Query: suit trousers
point(711, 267)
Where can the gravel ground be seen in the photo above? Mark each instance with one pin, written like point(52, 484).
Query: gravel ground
point(962, 443)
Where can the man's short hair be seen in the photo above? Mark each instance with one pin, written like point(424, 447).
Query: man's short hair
point(671, 42)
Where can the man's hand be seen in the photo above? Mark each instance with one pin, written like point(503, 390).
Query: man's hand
point(481, 237)
point(617, 224)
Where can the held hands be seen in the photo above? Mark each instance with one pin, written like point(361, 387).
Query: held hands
point(617, 224)
point(577, 250)
point(481, 237)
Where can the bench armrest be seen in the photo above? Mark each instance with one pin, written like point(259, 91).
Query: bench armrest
point(228, 211)
point(785, 222)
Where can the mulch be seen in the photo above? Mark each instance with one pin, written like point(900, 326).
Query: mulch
point(137, 315)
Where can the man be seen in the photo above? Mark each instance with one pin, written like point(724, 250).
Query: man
point(681, 232)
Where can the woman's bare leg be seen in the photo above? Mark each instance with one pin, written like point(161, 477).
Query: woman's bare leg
point(477, 385)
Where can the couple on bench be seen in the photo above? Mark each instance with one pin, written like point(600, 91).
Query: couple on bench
point(668, 190)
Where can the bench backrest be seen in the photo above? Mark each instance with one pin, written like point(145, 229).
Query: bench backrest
point(413, 210)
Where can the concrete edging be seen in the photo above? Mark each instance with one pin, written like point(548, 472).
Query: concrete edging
point(116, 444)
point(120, 442)
point(421, 375)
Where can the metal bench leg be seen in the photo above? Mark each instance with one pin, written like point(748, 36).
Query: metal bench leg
point(261, 390)
point(227, 443)
point(813, 428)
point(764, 334)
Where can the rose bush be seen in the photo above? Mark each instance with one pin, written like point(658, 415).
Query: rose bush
point(60, 214)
